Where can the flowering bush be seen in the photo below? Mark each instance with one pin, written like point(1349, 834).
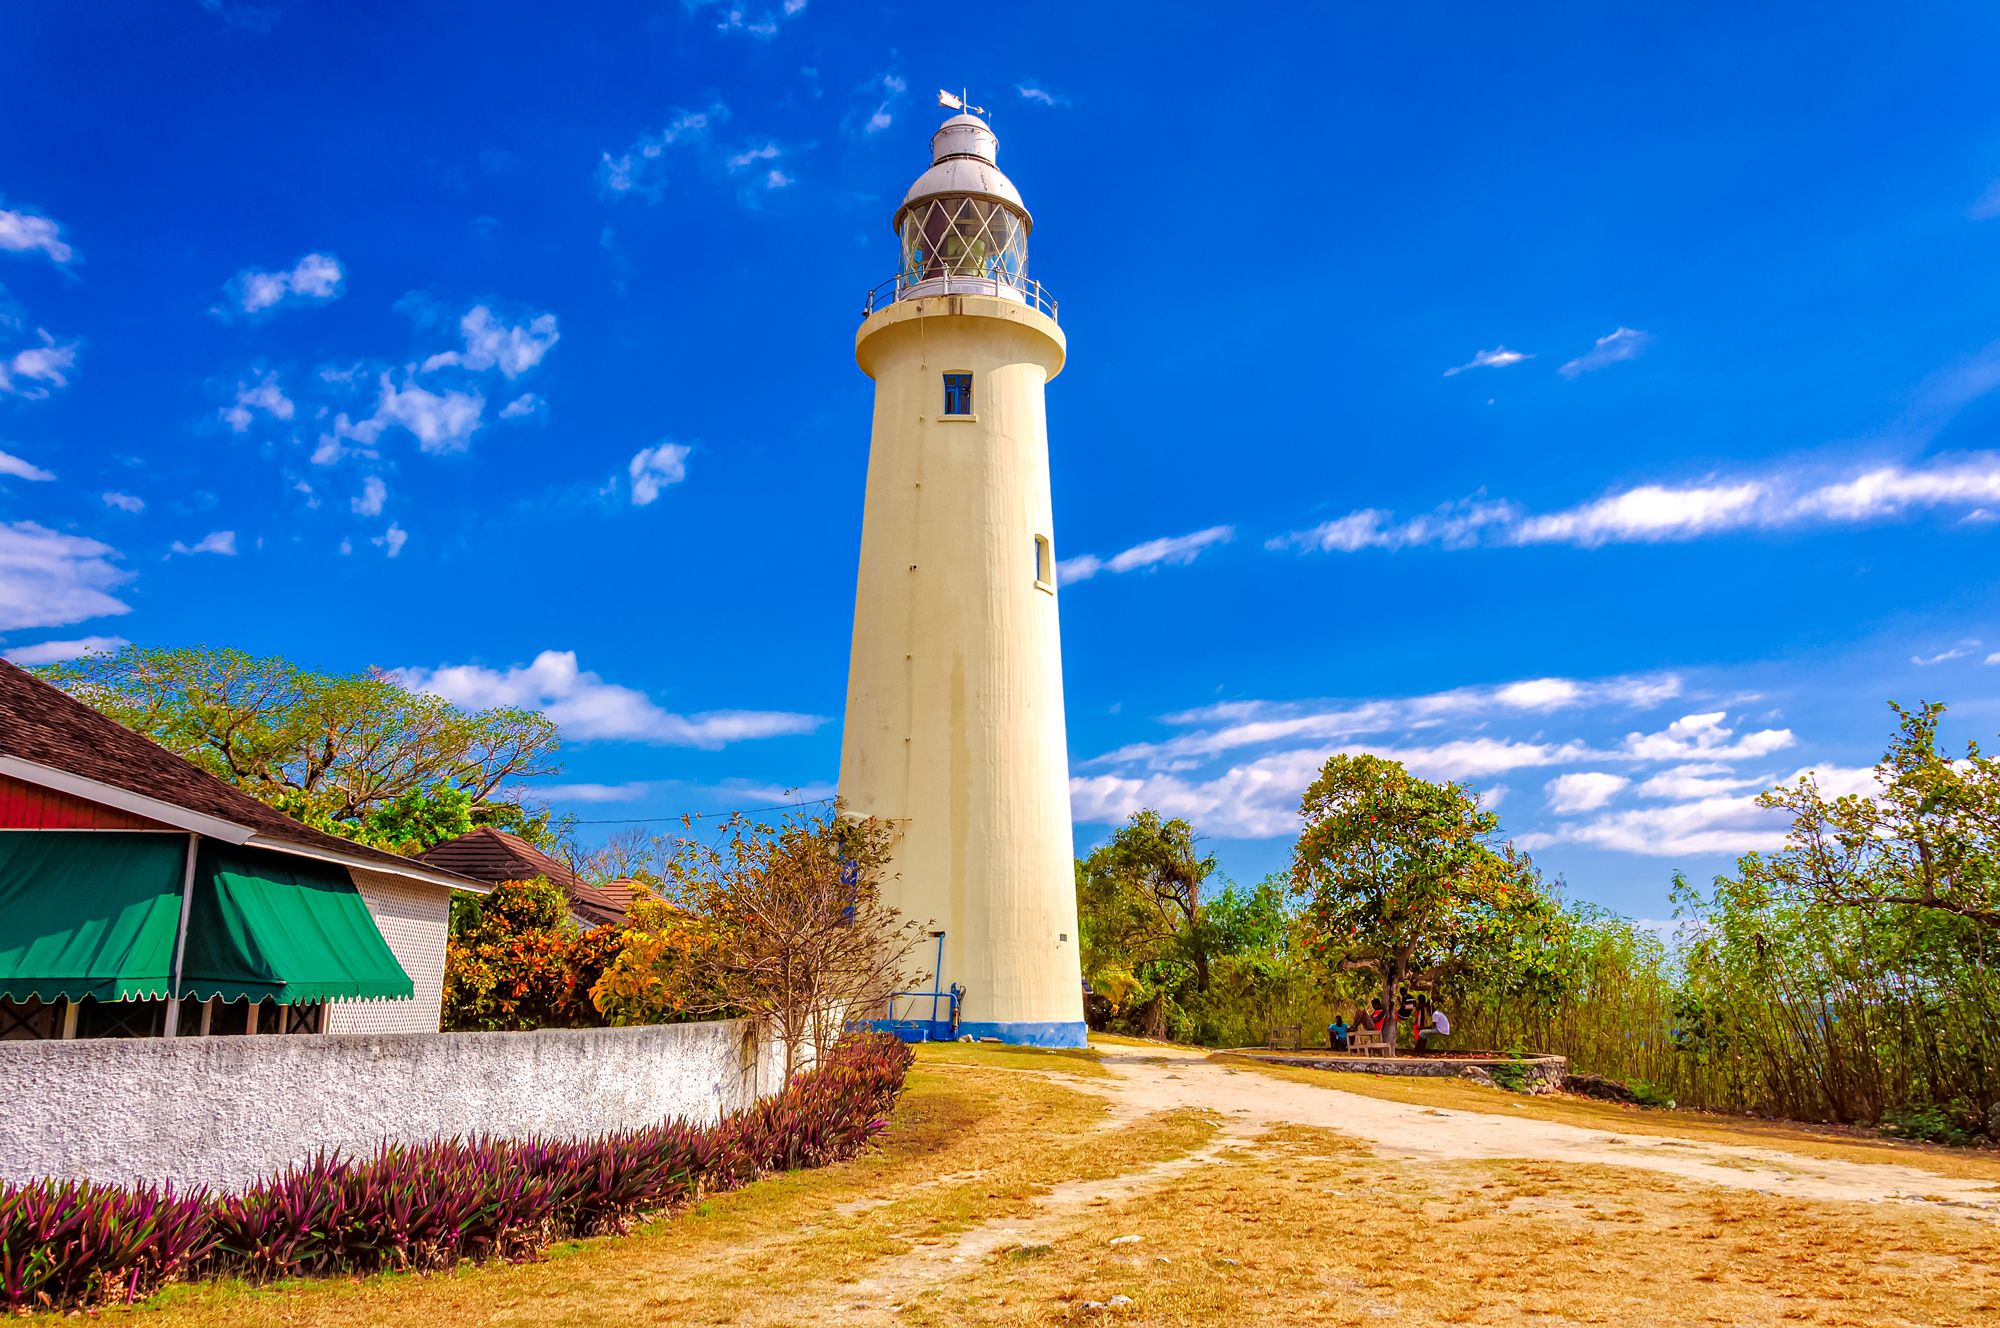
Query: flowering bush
point(516, 961)
point(427, 1206)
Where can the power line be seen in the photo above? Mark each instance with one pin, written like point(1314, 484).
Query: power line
point(733, 811)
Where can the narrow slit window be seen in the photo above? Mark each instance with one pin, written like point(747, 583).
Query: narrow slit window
point(958, 394)
point(1045, 564)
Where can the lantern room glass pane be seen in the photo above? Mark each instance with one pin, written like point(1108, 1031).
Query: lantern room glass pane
point(964, 237)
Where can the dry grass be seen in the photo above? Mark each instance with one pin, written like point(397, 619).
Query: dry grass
point(1827, 1143)
point(1298, 1230)
point(968, 1143)
point(972, 1215)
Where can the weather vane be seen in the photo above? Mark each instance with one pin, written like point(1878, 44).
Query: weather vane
point(957, 103)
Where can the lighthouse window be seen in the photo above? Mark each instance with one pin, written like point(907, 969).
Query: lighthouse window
point(958, 394)
point(1045, 564)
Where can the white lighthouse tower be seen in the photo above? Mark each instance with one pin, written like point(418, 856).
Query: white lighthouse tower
point(954, 691)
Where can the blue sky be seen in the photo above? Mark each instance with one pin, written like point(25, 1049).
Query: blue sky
point(1597, 407)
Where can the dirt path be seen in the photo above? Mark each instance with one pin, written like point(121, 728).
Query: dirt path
point(1162, 1079)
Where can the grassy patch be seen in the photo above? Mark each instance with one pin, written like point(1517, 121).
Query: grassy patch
point(1831, 1144)
point(1048, 1060)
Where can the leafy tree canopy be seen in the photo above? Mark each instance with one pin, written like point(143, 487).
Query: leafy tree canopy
point(1928, 839)
point(358, 755)
point(1402, 878)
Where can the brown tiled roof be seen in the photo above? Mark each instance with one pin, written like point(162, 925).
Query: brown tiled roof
point(493, 855)
point(42, 723)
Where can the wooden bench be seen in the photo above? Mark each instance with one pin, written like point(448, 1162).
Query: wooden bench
point(1284, 1038)
point(1367, 1040)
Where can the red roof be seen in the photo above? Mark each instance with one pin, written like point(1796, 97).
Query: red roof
point(493, 855)
point(42, 724)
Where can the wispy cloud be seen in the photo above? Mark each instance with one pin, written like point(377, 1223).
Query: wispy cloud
point(654, 468)
point(1959, 651)
point(1612, 348)
point(392, 540)
point(887, 94)
point(21, 469)
point(1173, 550)
point(1497, 358)
point(314, 279)
point(1663, 512)
point(1583, 790)
point(35, 372)
point(641, 168)
point(1035, 93)
point(125, 502)
point(264, 397)
point(585, 706)
point(369, 502)
point(29, 232)
point(492, 342)
point(441, 422)
point(51, 579)
point(55, 652)
point(524, 405)
point(216, 541)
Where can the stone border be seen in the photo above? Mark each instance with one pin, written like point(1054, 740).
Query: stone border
point(1540, 1074)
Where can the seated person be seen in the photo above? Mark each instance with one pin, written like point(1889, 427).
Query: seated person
point(1440, 1029)
point(1336, 1033)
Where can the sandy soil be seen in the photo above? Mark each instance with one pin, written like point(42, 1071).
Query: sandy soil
point(1162, 1079)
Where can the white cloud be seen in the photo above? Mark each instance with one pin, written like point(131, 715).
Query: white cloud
point(1718, 824)
point(640, 168)
point(1704, 737)
point(17, 468)
point(525, 404)
point(1259, 723)
point(1654, 513)
point(1988, 205)
point(1993, 658)
point(751, 156)
point(1648, 512)
point(1583, 791)
point(1030, 92)
point(1945, 656)
point(1611, 348)
point(374, 493)
point(440, 422)
point(55, 652)
point(892, 89)
point(49, 579)
point(777, 179)
point(315, 278)
point(1696, 780)
point(216, 541)
point(33, 373)
point(392, 540)
point(491, 343)
point(1175, 550)
point(654, 468)
point(26, 232)
point(585, 706)
point(1457, 525)
point(264, 396)
point(1497, 358)
point(125, 502)
point(547, 794)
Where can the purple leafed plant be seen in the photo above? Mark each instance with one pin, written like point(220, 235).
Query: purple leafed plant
point(77, 1244)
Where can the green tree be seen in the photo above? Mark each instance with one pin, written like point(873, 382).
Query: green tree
point(358, 755)
point(1929, 838)
point(1146, 941)
point(1402, 878)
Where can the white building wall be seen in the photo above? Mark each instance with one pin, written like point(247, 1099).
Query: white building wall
point(415, 919)
point(226, 1111)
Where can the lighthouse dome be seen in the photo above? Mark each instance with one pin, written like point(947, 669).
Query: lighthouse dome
point(962, 226)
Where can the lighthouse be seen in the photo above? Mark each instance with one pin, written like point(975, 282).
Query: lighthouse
point(954, 732)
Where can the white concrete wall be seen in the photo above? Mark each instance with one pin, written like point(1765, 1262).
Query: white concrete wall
point(227, 1111)
point(955, 726)
point(415, 919)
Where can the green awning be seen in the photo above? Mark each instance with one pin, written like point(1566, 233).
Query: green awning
point(88, 913)
point(94, 913)
point(295, 930)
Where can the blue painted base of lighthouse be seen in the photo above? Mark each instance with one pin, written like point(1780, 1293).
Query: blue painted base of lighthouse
point(1067, 1034)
